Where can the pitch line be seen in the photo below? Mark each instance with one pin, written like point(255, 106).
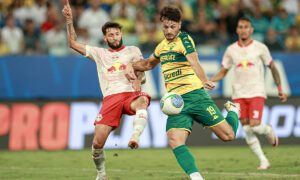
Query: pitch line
point(275, 175)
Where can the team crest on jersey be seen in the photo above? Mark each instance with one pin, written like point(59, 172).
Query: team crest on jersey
point(245, 64)
point(99, 118)
point(116, 68)
point(172, 46)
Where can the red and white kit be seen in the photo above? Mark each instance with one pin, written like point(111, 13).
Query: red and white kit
point(248, 85)
point(116, 89)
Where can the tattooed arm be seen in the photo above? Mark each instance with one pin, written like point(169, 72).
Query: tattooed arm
point(276, 78)
point(71, 34)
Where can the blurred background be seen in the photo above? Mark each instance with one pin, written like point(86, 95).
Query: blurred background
point(50, 95)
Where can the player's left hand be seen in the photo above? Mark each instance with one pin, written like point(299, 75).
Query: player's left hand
point(129, 72)
point(209, 85)
point(282, 96)
point(136, 85)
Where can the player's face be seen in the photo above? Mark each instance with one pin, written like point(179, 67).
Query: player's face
point(113, 38)
point(170, 28)
point(244, 30)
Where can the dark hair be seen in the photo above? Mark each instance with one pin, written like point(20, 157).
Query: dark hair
point(245, 19)
point(170, 13)
point(108, 25)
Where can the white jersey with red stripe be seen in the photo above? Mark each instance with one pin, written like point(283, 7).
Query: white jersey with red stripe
point(111, 65)
point(248, 63)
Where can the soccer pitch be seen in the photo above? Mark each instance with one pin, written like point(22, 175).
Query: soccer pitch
point(219, 162)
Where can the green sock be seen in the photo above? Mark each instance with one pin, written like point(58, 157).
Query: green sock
point(185, 159)
point(233, 120)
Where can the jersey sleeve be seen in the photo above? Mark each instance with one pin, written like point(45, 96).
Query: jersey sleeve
point(188, 44)
point(139, 55)
point(93, 52)
point(227, 60)
point(156, 53)
point(266, 55)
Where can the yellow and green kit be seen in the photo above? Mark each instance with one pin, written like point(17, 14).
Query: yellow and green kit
point(180, 78)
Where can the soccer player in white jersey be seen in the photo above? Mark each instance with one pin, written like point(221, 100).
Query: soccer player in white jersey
point(120, 95)
point(247, 57)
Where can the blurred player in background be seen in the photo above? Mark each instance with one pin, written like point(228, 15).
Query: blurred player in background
point(247, 57)
point(178, 57)
point(120, 95)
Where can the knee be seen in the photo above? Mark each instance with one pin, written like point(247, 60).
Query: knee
point(228, 136)
point(173, 142)
point(143, 100)
point(97, 144)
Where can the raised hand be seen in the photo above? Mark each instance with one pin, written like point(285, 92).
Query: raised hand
point(67, 11)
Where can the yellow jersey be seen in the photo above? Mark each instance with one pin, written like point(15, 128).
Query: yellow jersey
point(179, 76)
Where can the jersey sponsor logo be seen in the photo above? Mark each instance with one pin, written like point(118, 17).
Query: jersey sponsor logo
point(245, 64)
point(173, 74)
point(116, 68)
point(169, 57)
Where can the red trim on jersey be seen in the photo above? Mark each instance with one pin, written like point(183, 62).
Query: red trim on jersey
point(246, 44)
point(116, 50)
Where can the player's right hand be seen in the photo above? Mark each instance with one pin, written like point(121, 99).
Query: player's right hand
point(282, 96)
point(209, 85)
point(129, 72)
point(67, 12)
point(136, 85)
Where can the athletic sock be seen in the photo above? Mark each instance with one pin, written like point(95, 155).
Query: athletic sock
point(262, 129)
point(185, 159)
point(99, 160)
point(233, 120)
point(196, 176)
point(254, 143)
point(139, 122)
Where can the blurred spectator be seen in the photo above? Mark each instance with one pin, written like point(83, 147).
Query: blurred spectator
point(23, 10)
point(39, 10)
point(13, 36)
point(282, 22)
point(123, 5)
point(84, 37)
point(292, 42)
point(291, 6)
point(4, 50)
point(260, 25)
point(128, 25)
point(93, 19)
point(56, 40)
point(31, 38)
point(272, 41)
point(51, 17)
point(234, 14)
point(147, 8)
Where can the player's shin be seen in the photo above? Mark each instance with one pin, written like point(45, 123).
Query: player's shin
point(139, 124)
point(99, 160)
point(254, 143)
point(233, 120)
point(186, 161)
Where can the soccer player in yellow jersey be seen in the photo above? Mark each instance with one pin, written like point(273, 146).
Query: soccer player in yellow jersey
point(185, 76)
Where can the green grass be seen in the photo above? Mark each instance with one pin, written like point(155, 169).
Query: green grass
point(234, 162)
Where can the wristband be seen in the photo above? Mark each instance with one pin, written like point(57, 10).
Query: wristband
point(279, 88)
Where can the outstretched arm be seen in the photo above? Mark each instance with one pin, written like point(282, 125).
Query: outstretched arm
point(276, 78)
point(143, 65)
point(194, 61)
point(71, 34)
point(220, 75)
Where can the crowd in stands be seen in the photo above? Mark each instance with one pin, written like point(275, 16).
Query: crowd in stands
point(37, 26)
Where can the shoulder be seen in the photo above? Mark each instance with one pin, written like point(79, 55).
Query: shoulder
point(232, 46)
point(259, 44)
point(185, 36)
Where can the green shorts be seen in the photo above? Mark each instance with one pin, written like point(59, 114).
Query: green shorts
point(198, 106)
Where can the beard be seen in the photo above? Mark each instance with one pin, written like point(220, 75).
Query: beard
point(112, 46)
